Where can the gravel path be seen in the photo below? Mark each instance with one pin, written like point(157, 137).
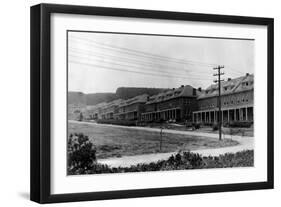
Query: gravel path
point(245, 143)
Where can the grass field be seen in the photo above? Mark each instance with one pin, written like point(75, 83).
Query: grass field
point(117, 142)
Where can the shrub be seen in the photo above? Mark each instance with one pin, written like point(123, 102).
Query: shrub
point(215, 127)
point(194, 159)
point(196, 125)
point(245, 124)
point(81, 154)
point(117, 122)
point(240, 159)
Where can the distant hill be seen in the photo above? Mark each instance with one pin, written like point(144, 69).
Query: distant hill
point(77, 98)
point(122, 93)
point(95, 98)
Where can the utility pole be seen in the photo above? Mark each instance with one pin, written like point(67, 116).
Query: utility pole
point(219, 73)
point(161, 135)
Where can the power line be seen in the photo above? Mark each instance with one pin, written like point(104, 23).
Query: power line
point(131, 66)
point(142, 53)
point(138, 72)
point(134, 61)
point(163, 58)
point(234, 70)
point(137, 62)
point(150, 55)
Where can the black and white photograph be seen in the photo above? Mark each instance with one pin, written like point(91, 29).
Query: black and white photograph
point(131, 103)
point(156, 102)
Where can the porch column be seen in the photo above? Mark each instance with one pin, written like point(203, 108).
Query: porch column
point(205, 116)
point(246, 113)
point(228, 115)
point(192, 117)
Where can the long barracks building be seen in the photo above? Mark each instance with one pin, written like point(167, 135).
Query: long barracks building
point(184, 104)
point(176, 104)
point(131, 109)
point(237, 97)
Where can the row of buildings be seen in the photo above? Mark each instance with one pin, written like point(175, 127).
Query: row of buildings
point(184, 104)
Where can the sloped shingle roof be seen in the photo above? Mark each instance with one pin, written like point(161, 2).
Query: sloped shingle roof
point(230, 86)
point(184, 91)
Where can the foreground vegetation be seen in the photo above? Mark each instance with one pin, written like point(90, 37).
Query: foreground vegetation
point(82, 160)
point(112, 141)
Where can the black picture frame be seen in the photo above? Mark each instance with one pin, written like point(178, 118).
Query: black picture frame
point(41, 98)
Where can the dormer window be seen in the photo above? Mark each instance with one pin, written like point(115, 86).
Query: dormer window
point(245, 84)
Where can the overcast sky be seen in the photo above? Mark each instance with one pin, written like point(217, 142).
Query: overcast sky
point(102, 62)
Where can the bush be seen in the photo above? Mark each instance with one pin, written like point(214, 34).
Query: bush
point(196, 125)
point(81, 154)
point(215, 127)
point(117, 122)
point(246, 124)
point(240, 159)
